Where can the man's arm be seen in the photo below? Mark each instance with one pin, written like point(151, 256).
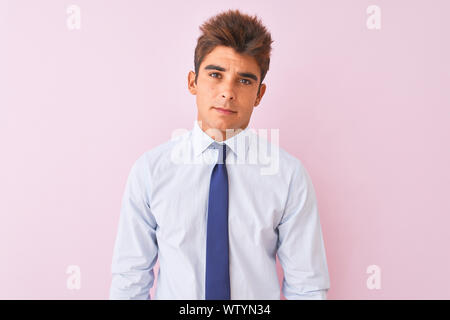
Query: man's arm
point(301, 249)
point(136, 248)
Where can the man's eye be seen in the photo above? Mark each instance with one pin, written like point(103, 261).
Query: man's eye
point(216, 75)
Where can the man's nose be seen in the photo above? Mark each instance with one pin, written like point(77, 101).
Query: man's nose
point(228, 92)
point(227, 96)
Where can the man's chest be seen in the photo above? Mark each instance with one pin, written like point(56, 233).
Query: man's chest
point(179, 200)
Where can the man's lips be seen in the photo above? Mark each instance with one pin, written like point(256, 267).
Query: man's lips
point(224, 111)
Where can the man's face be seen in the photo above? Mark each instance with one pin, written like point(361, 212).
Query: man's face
point(226, 80)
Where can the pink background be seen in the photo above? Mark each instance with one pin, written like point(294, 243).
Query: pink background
point(366, 111)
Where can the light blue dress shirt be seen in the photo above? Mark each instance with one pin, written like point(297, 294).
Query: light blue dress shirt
point(272, 210)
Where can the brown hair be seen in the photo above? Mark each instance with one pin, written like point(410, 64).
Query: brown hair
point(245, 34)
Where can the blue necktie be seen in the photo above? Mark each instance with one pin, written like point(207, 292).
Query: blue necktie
point(217, 281)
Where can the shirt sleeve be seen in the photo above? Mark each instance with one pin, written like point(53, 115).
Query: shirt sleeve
point(301, 250)
point(136, 249)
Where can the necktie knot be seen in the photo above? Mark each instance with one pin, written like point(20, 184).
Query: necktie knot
point(222, 148)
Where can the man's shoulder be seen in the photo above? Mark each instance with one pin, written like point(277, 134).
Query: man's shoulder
point(160, 154)
point(287, 160)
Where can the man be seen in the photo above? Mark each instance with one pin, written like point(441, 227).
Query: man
point(198, 203)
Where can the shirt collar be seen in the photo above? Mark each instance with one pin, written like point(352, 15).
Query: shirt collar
point(237, 143)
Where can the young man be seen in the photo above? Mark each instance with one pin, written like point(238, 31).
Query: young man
point(204, 208)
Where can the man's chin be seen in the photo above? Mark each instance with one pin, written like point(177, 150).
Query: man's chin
point(220, 127)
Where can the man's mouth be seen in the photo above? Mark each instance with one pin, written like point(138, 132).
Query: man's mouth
point(225, 111)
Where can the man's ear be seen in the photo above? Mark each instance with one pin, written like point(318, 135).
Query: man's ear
point(262, 90)
point(192, 87)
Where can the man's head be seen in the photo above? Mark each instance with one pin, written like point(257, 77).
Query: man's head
point(231, 60)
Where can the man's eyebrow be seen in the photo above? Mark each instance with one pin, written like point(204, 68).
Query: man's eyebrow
point(242, 74)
